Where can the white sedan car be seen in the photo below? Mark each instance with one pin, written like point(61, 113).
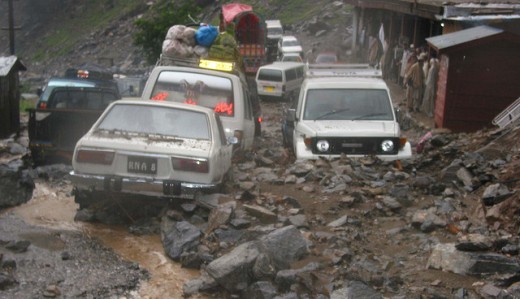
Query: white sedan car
point(162, 149)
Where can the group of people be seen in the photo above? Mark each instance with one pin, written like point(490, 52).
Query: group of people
point(419, 76)
point(411, 67)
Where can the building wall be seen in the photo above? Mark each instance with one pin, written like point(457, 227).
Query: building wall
point(483, 81)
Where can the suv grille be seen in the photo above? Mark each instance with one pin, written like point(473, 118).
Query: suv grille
point(355, 145)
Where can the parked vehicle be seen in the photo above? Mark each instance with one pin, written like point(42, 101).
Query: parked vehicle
point(326, 57)
point(163, 149)
point(274, 33)
point(291, 57)
point(77, 77)
point(279, 80)
point(212, 84)
point(289, 44)
point(344, 110)
point(250, 34)
point(66, 114)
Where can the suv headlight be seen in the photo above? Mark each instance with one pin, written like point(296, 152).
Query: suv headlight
point(322, 145)
point(387, 146)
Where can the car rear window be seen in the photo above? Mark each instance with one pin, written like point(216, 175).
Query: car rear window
point(81, 99)
point(205, 90)
point(270, 75)
point(164, 121)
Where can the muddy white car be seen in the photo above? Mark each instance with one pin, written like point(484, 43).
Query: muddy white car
point(163, 149)
point(344, 110)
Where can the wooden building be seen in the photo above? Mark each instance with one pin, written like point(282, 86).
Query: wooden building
point(10, 95)
point(478, 77)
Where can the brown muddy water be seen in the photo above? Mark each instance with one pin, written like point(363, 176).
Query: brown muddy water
point(55, 208)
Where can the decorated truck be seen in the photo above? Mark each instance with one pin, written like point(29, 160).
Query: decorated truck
point(250, 34)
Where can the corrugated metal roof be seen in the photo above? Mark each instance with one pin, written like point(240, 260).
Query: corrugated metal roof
point(6, 63)
point(463, 36)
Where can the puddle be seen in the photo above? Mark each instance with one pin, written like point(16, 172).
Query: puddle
point(56, 209)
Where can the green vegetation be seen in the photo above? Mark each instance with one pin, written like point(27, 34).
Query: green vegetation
point(93, 16)
point(152, 29)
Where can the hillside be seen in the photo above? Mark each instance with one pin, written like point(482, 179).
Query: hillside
point(56, 34)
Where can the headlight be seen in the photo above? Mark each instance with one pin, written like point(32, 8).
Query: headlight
point(387, 146)
point(322, 145)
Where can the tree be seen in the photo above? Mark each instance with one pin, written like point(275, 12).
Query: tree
point(152, 30)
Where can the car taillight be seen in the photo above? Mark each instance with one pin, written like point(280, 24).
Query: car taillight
point(42, 105)
point(95, 156)
point(193, 165)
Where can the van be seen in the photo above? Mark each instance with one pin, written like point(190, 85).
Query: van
point(205, 83)
point(279, 80)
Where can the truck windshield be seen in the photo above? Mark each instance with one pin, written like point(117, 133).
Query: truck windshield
point(197, 89)
point(165, 121)
point(347, 104)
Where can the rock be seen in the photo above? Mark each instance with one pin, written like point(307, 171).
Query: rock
point(446, 257)
point(495, 193)
point(179, 237)
point(202, 283)
point(220, 216)
point(338, 222)
point(6, 280)
point(231, 270)
point(355, 289)
point(263, 214)
point(16, 185)
point(18, 246)
point(260, 290)
point(474, 242)
point(285, 245)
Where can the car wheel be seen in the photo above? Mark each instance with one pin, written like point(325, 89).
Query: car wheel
point(228, 182)
point(86, 199)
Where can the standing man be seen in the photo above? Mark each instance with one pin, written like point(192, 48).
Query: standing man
point(414, 78)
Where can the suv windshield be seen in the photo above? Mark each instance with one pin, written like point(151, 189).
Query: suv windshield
point(347, 104)
point(198, 89)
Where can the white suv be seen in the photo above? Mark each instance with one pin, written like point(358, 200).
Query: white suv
point(289, 44)
point(344, 110)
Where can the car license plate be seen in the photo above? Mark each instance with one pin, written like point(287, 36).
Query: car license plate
point(269, 88)
point(146, 165)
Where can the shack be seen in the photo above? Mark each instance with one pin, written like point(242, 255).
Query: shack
point(10, 95)
point(478, 76)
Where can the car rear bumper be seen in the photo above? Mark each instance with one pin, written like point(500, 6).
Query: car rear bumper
point(150, 187)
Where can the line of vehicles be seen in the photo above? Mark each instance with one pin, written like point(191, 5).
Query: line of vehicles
point(178, 138)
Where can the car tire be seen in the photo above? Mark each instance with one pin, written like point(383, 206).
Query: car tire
point(228, 182)
point(86, 199)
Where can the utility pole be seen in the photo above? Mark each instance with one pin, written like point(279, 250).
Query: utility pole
point(11, 27)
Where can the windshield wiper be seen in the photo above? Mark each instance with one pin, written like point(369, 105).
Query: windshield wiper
point(331, 113)
point(369, 115)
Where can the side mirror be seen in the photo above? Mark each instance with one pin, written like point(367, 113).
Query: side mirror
point(232, 140)
point(397, 112)
point(291, 114)
point(39, 92)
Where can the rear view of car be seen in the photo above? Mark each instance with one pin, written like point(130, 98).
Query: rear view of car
point(158, 149)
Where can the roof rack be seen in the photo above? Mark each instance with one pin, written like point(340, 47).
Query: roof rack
point(342, 70)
